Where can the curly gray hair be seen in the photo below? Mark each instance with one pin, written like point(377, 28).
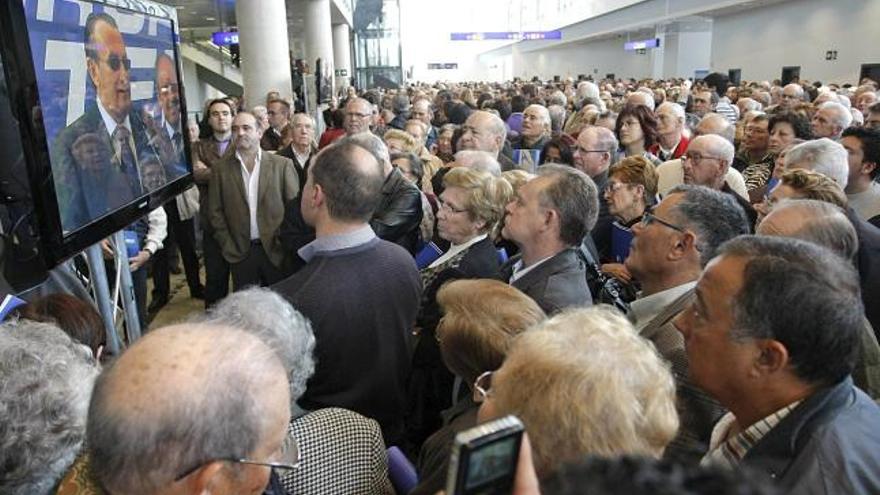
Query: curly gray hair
point(264, 313)
point(44, 399)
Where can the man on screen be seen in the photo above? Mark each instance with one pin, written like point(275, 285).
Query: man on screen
point(84, 195)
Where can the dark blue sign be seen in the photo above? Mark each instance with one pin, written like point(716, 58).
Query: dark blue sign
point(507, 36)
point(641, 45)
point(225, 38)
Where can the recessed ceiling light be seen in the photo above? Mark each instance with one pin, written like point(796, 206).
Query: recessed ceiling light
point(210, 18)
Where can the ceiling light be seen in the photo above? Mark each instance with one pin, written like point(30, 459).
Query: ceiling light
point(210, 18)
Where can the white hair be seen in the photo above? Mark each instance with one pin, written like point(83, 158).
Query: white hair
point(843, 100)
point(645, 99)
point(843, 118)
point(720, 146)
point(478, 160)
point(677, 109)
point(824, 156)
point(587, 89)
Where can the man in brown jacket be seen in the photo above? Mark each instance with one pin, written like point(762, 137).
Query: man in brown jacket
point(248, 194)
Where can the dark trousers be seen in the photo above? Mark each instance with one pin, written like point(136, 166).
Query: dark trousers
point(216, 269)
point(181, 234)
point(256, 269)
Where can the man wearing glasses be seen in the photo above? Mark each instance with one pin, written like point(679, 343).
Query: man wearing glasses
point(180, 413)
point(707, 162)
point(670, 246)
point(112, 120)
point(595, 151)
point(358, 116)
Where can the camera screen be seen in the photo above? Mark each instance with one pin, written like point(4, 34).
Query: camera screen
point(492, 462)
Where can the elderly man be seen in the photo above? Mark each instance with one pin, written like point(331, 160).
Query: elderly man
point(670, 247)
point(401, 107)
point(758, 340)
point(422, 111)
point(279, 116)
point(301, 131)
point(707, 162)
point(485, 131)
point(191, 409)
point(534, 135)
point(671, 141)
point(47, 382)
point(364, 322)
point(249, 193)
point(340, 450)
point(792, 94)
point(862, 190)
point(827, 225)
point(872, 118)
point(671, 173)
point(548, 219)
point(358, 116)
point(830, 120)
point(595, 151)
point(753, 150)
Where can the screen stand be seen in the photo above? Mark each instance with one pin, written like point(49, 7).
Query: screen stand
point(101, 288)
point(132, 322)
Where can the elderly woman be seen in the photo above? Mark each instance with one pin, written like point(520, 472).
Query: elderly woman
point(784, 128)
point(46, 385)
point(583, 383)
point(631, 189)
point(471, 204)
point(636, 130)
point(481, 318)
point(803, 184)
point(445, 144)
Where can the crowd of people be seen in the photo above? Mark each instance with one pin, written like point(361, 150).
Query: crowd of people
point(662, 279)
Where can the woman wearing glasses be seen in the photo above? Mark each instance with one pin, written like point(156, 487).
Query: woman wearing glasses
point(631, 189)
point(636, 130)
point(470, 206)
point(474, 336)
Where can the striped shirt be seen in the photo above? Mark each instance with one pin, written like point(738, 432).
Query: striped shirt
point(729, 445)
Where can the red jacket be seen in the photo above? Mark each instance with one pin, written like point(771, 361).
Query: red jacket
point(654, 149)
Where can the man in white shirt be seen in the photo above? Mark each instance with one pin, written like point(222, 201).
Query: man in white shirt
point(670, 246)
point(249, 192)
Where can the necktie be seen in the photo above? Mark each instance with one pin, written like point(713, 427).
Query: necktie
point(126, 159)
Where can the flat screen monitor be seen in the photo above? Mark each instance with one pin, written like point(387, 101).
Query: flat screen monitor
point(98, 90)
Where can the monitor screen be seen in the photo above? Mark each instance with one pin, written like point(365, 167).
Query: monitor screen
point(101, 85)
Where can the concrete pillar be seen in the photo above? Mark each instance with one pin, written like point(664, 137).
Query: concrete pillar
point(658, 54)
point(265, 59)
point(318, 37)
point(342, 52)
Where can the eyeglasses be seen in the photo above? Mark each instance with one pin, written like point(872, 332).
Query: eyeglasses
point(173, 88)
point(696, 157)
point(613, 187)
point(445, 206)
point(582, 150)
point(287, 459)
point(115, 62)
point(355, 115)
point(483, 387)
point(648, 218)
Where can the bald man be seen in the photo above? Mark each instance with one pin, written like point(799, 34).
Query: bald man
point(485, 131)
point(191, 409)
point(707, 162)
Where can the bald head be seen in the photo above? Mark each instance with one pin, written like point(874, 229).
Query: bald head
point(717, 124)
point(814, 221)
point(483, 131)
point(358, 116)
point(180, 396)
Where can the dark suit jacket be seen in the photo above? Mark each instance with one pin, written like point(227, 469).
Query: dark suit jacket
point(601, 232)
point(270, 140)
point(399, 214)
point(555, 284)
point(229, 211)
point(301, 168)
point(86, 193)
point(697, 412)
point(868, 265)
point(205, 150)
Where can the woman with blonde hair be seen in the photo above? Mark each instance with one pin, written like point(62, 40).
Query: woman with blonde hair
point(470, 206)
point(584, 383)
point(481, 319)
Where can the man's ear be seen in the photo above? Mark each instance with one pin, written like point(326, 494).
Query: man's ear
point(685, 243)
point(206, 480)
point(92, 69)
point(773, 357)
point(868, 168)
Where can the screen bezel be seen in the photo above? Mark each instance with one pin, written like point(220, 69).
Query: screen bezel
point(25, 100)
point(467, 450)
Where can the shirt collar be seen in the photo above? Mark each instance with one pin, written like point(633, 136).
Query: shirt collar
point(729, 444)
point(336, 242)
point(457, 248)
point(520, 272)
point(109, 122)
point(644, 309)
point(259, 155)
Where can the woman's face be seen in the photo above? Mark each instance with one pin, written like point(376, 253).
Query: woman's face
point(781, 136)
point(631, 131)
point(553, 155)
point(624, 200)
point(453, 217)
point(778, 193)
point(444, 143)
